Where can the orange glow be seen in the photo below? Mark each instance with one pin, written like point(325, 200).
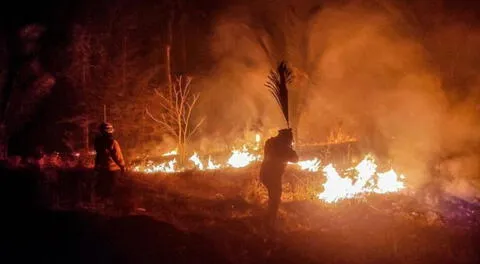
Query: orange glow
point(196, 160)
point(165, 167)
point(242, 158)
point(211, 165)
point(312, 165)
point(367, 180)
point(170, 153)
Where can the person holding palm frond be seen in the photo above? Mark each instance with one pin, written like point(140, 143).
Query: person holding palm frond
point(278, 150)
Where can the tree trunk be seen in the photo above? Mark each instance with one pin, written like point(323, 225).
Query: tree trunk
point(184, 44)
point(168, 49)
point(168, 68)
point(3, 142)
point(87, 136)
point(124, 65)
point(182, 155)
point(104, 113)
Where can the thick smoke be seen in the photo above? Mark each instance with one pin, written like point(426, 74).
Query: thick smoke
point(406, 86)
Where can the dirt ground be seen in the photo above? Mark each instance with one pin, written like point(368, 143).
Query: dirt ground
point(49, 217)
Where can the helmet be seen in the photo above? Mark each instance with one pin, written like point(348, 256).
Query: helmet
point(106, 128)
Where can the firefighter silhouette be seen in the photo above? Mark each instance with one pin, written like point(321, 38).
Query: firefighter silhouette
point(277, 153)
point(109, 162)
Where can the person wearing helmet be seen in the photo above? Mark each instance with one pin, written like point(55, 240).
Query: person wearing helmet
point(277, 153)
point(109, 162)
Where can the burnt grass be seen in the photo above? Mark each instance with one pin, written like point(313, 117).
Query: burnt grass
point(49, 216)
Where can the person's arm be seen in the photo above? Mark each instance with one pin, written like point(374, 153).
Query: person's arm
point(287, 154)
point(117, 155)
point(292, 155)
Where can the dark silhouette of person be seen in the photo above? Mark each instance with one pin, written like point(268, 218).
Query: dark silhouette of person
point(277, 153)
point(109, 162)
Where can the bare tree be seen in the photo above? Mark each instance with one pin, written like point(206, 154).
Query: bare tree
point(177, 105)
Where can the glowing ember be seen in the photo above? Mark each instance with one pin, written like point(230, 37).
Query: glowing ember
point(211, 165)
point(196, 160)
point(312, 165)
point(368, 180)
point(170, 153)
point(241, 158)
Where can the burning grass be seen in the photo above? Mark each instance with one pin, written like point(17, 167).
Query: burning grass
point(332, 212)
point(352, 182)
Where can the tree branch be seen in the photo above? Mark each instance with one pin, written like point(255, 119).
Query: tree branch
point(162, 122)
point(196, 127)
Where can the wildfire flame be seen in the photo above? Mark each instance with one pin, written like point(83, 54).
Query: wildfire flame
point(166, 167)
point(336, 187)
point(196, 160)
point(312, 165)
point(389, 182)
point(211, 165)
point(242, 158)
point(170, 153)
point(361, 179)
point(368, 180)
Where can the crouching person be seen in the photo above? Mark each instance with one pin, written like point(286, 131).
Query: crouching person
point(109, 162)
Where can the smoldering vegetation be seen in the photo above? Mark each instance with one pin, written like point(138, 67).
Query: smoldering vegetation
point(399, 76)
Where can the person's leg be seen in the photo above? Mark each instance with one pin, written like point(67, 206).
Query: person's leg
point(90, 187)
point(111, 184)
point(99, 184)
point(267, 216)
point(274, 199)
point(103, 184)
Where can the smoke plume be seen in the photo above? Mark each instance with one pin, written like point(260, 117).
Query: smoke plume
point(401, 80)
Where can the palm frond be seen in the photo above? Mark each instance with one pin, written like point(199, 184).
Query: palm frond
point(277, 84)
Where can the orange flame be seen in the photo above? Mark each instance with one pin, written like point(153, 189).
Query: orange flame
point(170, 153)
point(368, 180)
point(165, 167)
point(211, 165)
point(312, 165)
point(196, 160)
point(242, 158)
